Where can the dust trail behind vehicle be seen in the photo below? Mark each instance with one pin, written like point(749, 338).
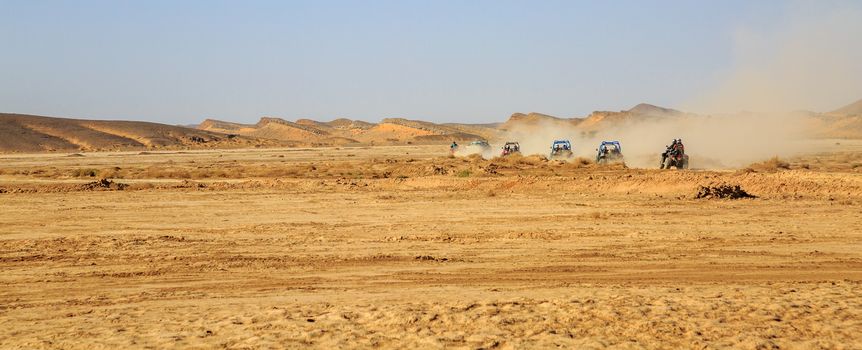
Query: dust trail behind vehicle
point(712, 141)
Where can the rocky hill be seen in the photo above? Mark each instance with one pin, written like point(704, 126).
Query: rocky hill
point(854, 108)
point(345, 131)
point(30, 133)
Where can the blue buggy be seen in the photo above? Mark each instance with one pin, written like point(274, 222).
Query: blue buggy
point(561, 149)
point(609, 152)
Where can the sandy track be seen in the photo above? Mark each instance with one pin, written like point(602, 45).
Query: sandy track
point(589, 257)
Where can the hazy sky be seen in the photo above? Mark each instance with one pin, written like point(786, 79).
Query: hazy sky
point(179, 62)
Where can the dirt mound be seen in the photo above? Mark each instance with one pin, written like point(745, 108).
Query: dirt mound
point(100, 185)
point(103, 184)
point(722, 192)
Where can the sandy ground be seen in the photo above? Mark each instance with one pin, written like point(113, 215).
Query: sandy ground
point(404, 247)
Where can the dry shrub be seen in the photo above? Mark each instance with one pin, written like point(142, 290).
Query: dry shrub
point(110, 173)
point(84, 172)
point(771, 165)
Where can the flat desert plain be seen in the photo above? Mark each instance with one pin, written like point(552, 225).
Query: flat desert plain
point(406, 247)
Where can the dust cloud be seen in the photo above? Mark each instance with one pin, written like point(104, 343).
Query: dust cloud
point(809, 62)
point(713, 142)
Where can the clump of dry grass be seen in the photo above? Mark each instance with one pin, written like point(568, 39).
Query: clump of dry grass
point(110, 173)
point(84, 172)
point(771, 165)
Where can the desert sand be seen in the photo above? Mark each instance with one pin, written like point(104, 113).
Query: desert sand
point(405, 247)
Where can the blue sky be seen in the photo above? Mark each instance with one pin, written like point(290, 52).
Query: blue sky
point(179, 62)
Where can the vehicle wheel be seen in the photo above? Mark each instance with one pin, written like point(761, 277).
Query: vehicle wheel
point(667, 163)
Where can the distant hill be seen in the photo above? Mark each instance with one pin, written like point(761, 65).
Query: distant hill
point(854, 108)
point(30, 133)
point(534, 120)
point(594, 121)
point(645, 109)
point(845, 122)
point(345, 131)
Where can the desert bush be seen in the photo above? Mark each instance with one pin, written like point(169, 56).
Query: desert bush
point(84, 172)
point(772, 164)
point(110, 173)
point(463, 173)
